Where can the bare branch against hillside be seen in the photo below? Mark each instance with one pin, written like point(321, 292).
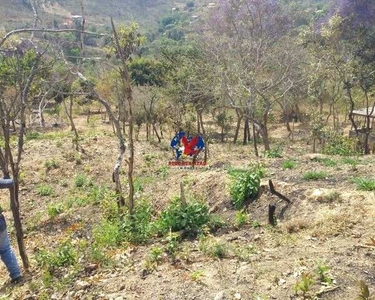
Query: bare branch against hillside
point(45, 30)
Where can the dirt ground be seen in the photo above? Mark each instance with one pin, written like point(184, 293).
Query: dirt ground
point(328, 223)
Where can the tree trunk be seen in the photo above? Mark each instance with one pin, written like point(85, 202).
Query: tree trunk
point(245, 131)
point(156, 132)
point(238, 125)
point(255, 141)
point(15, 207)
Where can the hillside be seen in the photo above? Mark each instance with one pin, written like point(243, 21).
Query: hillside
point(66, 196)
point(18, 13)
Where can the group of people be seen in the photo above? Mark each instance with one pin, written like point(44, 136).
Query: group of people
point(7, 254)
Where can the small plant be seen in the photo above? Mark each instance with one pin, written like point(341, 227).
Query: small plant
point(245, 186)
point(197, 275)
point(314, 175)
point(54, 210)
point(80, 180)
point(64, 256)
point(163, 171)
point(323, 271)
point(365, 184)
point(350, 161)
point(245, 253)
point(241, 218)
point(215, 222)
point(213, 248)
point(156, 254)
point(273, 153)
point(364, 291)
point(51, 164)
point(255, 224)
point(172, 246)
point(44, 190)
point(304, 284)
point(288, 164)
point(107, 233)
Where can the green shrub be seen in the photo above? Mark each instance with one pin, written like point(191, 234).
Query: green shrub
point(64, 256)
point(138, 228)
point(245, 186)
point(107, 233)
point(338, 144)
point(177, 216)
point(289, 164)
point(44, 190)
point(328, 162)
point(215, 222)
point(213, 248)
point(350, 161)
point(314, 175)
point(365, 184)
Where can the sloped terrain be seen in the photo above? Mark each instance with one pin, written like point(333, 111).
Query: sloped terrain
point(328, 226)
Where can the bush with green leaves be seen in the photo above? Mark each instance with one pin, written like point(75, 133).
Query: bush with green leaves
point(138, 228)
point(64, 255)
point(54, 210)
point(189, 217)
point(245, 186)
point(338, 144)
point(107, 233)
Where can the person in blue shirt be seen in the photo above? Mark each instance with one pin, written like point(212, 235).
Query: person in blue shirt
point(7, 254)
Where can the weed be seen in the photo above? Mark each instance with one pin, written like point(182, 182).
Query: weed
point(64, 256)
point(213, 248)
point(177, 216)
point(365, 184)
point(107, 233)
point(215, 222)
point(255, 224)
point(245, 253)
point(245, 186)
point(81, 180)
point(54, 210)
point(241, 218)
point(32, 135)
point(172, 246)
point(288, 164)
point(350, 161)
point(45, 190)
point(304, 284)
point(163, 171)
point(197, 275)
point(156, 254)
point(314, 175)
point(323, 271)
point(273, 153)
point(51, 164)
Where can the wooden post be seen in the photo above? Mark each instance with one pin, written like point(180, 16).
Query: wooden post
point(183, 199)
point(271, 214)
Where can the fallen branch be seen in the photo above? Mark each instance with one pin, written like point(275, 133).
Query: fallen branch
point(327, 290)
